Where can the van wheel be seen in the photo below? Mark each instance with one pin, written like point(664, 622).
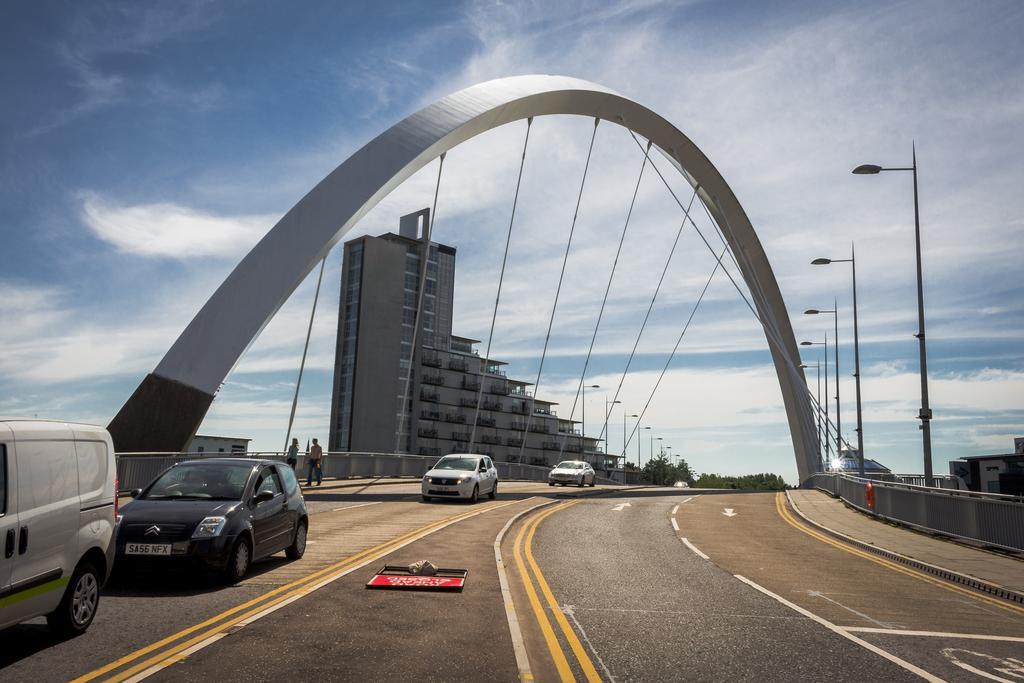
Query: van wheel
point(298, 546)
point(78, 606)
point(238, 560)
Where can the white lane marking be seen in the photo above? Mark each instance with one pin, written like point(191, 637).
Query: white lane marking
point(675, 524)
point(842, 632)
point(303, 592)
point(1010, 666)
point(932, 634)
point(360, 505)
point(687, 500)
point(568, 610)
point(621, 506)
point(819, 594)
point(694, 548)
point(675, 509)
point(729, 512)
point(518, 644)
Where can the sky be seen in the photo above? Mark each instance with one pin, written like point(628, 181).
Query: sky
point(145, 148)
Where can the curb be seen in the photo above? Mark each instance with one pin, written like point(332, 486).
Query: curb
point(940, 572)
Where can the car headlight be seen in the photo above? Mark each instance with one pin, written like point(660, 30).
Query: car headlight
point(210, 527)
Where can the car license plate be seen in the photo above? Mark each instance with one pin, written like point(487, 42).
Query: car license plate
point(147, 549)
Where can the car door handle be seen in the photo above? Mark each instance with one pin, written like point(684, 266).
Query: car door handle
point(9, 544)
point(23, 541)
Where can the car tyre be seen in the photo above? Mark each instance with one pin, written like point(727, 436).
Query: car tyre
point(298, 547)
point(475, 496)
point(551, 483)
point(494, 491)
point(239, 560)
point(78, 606)
point(427, 499)
point(583, 482)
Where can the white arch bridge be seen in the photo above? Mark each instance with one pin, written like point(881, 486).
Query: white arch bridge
point(168, 406)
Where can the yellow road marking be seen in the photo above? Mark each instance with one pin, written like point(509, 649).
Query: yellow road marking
point(561, 663)
point(789, 519)
point(261, 603)
point(574, 642)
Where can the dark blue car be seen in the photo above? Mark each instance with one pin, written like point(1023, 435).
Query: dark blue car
point(224, 513)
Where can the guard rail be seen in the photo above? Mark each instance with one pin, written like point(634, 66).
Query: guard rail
point(987, 518)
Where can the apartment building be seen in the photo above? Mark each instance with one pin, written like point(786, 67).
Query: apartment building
point(379, 406)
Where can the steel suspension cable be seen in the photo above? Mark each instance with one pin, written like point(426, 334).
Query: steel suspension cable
point(424, 258)
point(643, 325)
point(558, 290)
point(302, 363)
point(672, 355)
point(600, 314)
point(501, 278)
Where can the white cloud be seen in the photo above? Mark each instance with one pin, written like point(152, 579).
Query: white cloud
point(172, 231)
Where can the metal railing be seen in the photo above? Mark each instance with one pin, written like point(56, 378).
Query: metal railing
point(988, 518)
point(136, 470)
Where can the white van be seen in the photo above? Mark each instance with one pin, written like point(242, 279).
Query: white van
point(58, 509)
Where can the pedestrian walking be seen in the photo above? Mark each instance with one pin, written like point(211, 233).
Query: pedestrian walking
point(316, 454)
point(293, 454)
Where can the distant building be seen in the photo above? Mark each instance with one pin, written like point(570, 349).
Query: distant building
point(993, 473)
point(377, 315)
point(216, 444)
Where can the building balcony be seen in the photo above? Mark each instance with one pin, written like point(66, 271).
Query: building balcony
point(459, 365)
point(514, 441)
point(455, 417)
point(433, 361)
point(470, 384)
point(431, 396)
point(518, 426)
point(427, 433)
point(492, 405)
point(436, 380)
point(485, 422)
point(467, 402)
point(490, 438)
point(550, 445)
point(500, 389)
point(430, 415)
point(426, 450)
point(460, 436)
point(540, 428)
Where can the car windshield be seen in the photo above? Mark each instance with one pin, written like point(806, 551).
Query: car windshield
point(569, 465)
point(201, 482)
point(456, 464)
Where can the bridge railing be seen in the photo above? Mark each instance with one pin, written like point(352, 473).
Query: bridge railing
point(136, 470)
point(987, 518)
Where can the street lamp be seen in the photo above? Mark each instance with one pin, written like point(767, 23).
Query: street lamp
point(583, 418)
point(828, 451)
point(607, 413)
point(856, 351)
point(638, 465)
point(839, 429)
point(925, 415)
point(661, 450)
point(624, 416)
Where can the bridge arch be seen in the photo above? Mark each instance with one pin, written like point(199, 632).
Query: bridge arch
point(168, 406)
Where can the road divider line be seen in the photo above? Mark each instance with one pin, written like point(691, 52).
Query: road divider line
point(931, 634)
point(561, 663)
point(907, 571)
point(675, 524)
point(589, 671)
point(261, 603)
point(359, 505)
point(694, 548)
point(675, 509)
point(843, 632)
point(518, 644)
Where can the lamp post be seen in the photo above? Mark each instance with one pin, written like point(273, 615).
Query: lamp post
point(661, 449)
point(828, 451)
point(839, 428)
point(925, 415)
point(624, 416)
point(638, 465)
point(856, 352)
point(583, 418)
point(607, 413)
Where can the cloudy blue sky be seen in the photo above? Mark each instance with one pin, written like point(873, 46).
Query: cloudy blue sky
point(145, 147)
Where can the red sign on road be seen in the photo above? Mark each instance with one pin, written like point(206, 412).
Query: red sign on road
point(432, 582)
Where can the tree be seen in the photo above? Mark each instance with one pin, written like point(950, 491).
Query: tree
point(660, 472)
point(758, 482)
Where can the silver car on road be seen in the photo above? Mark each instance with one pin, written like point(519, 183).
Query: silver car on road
point(461, 475)
point(572, 472)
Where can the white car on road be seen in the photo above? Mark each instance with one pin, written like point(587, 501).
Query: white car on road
point(461, 475)
point(572, 472)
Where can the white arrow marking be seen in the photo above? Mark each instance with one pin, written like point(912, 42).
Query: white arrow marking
point(620, 506)
point(729, 513)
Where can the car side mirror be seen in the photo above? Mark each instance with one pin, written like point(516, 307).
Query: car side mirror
point(135, 493)
point(263, 497)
